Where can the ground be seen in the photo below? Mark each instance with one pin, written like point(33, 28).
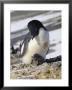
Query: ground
point(33, 71)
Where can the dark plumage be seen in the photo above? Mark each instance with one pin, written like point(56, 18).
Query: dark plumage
point(34, 27)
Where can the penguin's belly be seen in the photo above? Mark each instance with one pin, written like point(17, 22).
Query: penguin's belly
point(35, 48)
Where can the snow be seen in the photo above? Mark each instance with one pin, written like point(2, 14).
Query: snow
point(22, 24)
point(55, 43)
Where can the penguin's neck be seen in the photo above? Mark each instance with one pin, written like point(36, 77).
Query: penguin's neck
point(42, 37)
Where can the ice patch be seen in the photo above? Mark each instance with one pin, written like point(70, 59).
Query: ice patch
point(55, 43)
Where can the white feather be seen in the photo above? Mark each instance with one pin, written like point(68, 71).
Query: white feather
point(37, 45)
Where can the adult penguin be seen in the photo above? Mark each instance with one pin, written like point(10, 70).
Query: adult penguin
point(38, 43)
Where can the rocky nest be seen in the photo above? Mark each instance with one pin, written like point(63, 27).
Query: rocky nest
point(46, 70)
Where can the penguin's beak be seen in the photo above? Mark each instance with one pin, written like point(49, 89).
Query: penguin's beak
point(32, 37)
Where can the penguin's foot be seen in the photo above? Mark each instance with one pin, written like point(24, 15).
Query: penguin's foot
point(38, 59)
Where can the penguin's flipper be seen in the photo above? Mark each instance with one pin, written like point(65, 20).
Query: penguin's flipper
point(24, 45)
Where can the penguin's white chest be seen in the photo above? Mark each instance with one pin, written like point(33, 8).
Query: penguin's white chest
point(38, 45)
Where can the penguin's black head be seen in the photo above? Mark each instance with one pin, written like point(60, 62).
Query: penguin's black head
point(34, 27)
